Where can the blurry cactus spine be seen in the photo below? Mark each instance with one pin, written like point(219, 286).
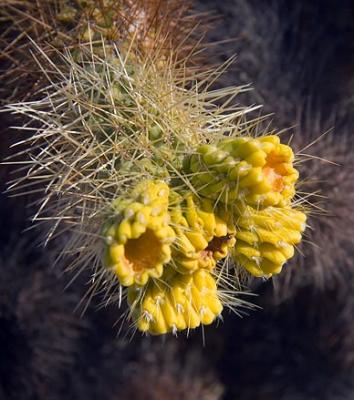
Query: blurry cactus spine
point(162, 190)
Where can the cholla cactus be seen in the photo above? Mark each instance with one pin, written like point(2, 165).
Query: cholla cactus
point(129, 151)
point(258, 170)
point(160, 30)
point(122, 123)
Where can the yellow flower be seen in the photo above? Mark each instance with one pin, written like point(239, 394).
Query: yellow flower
point(258, 171)
point(266, 238)
point(176, 303)
point(138, 241)
point(202, 238)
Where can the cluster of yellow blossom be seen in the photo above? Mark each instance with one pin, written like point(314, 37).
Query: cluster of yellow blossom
point(164, 243)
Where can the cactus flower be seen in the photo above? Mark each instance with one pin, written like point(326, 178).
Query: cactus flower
point(266, 238)
point(202, 238)
point(258, 171)
point(180, 302)
point(138, 242)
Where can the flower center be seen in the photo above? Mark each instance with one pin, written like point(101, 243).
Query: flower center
point(143, 252)
point(274, 172)
point(216, 243)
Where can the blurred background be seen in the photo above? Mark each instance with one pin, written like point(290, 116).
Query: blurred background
point(299, 345)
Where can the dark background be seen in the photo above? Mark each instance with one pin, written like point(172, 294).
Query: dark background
point(299, 57)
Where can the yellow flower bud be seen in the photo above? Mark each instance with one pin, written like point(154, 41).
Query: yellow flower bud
point(176, 303)
point(266, 238)
point(257, 170)
point(202, 238)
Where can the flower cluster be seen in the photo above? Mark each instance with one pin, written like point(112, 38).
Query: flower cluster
point(165, 242)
